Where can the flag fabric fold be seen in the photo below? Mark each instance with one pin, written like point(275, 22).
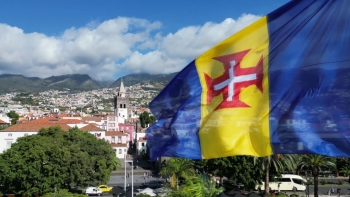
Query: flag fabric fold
point(279, 86)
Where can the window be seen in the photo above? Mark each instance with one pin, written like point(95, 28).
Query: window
point(9, 144)
point(124, 106)
point(113, 140)
point(121, 105)
point(26, 134)
point(119, 139)
point(143, 144)
point(9, 135)
point(120, 151)
point(285, 180)
point(124, 150)
point(298, 181)
point(111, 118)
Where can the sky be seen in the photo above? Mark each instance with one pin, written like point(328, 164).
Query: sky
point(108, 39)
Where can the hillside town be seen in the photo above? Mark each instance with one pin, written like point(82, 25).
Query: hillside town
point(110, 114)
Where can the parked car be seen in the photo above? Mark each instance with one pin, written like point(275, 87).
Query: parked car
point(93, 191)
point(286, 182)
point(105, 188)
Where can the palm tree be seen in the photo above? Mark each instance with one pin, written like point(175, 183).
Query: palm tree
point(198, 186)
point(314, 163)
point(202, 185)
point(346, 171)
point(177, 167)
point(278, 163)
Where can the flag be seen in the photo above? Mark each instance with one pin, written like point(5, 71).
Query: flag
point(279, 86)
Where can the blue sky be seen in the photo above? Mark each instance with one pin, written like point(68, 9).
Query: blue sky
point(108, 39)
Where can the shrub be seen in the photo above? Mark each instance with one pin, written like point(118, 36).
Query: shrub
point(63, 193)
point(340, 182)
point(323, 181)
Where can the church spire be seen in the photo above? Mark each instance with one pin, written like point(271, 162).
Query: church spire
point(122, 91)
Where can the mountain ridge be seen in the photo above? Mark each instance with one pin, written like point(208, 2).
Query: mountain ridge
point(76, 82)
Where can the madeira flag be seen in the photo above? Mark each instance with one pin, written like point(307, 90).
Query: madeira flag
point(279, 86)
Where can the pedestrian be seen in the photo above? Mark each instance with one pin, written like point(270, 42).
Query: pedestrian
point(279, 184)
point(329, 192)
point(332, 191)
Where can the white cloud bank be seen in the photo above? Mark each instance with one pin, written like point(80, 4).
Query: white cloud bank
point(121, 45)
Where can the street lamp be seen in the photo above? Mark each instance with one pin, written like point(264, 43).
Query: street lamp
point(132, 175)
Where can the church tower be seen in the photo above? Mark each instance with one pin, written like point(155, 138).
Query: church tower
point(121, 102)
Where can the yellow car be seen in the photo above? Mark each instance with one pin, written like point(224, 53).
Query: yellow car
point(105, 188)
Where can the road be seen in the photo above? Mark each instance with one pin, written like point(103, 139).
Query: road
point(138, 180)
point(323, 189)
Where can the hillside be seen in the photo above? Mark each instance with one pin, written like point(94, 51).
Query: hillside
point(20, 83)
point(158, 81)
point(76, 82)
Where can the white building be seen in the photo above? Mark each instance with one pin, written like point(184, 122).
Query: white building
point(119, 142)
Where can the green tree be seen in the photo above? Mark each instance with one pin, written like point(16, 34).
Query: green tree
point(146, 119)
point(198, 186)
point(341, 162)
point(14, 117)
point(314, 163)
point(274, 165)
point(346, 171)
point(238, 169)
point(177, 168)
point(56, 159)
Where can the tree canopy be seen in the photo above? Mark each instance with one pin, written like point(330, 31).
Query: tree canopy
point(14, 117)
point(315, 163)
point(146, 119)
point(238, 169)
point(55, 158)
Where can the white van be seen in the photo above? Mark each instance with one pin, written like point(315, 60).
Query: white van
point(286, 182)
point(93, 191)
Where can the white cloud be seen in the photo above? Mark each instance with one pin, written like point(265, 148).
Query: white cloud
point(189, 42)
point(154, 62)
point(102, 50)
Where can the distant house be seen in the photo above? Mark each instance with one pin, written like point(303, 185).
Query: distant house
point(141, 146)
point(141, 142)
point(118, 141)
point(10, 135)
point(95, 130)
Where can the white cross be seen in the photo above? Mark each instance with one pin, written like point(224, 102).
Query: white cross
point(232, 80)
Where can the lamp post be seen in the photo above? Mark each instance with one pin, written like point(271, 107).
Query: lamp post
point(132, 176)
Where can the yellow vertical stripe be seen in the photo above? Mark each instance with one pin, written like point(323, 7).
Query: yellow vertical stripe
point(242, 130)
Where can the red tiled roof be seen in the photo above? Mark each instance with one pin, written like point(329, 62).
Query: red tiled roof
point(118, 145)
point(54, 121)
point(115, 133)
point(34, 127)
point(91, 127)
point(3, 122)
point(96, 119)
